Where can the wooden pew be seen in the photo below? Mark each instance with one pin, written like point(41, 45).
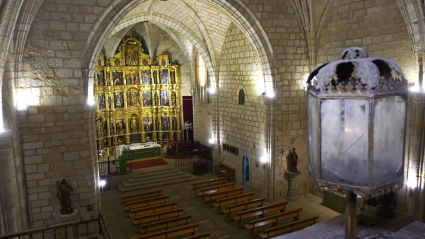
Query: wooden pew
point(141, 195)
point(146, 202)
point(274, 219)
point(232, 200)
point(157, 216)
point(243, 206)
point(226, 171)
point(290, 227)
point(192, 228)
point(208, 183)
point(223, 194)
point(216, 188)
point(199, 236)
point(152, 209)
point(280, 206)
point(164, 224)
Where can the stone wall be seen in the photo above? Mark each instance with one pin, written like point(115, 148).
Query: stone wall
point(242, 126)
point(376, 26)
point(57, 130)
point(281, 24)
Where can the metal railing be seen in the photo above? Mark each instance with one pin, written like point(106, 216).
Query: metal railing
point(111, 167)
point(84, 228)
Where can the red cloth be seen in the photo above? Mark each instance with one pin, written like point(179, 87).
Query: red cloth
point(200, 163)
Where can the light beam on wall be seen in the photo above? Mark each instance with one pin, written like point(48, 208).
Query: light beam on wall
point(25, 98)
point(90, 97)
point(202, 71)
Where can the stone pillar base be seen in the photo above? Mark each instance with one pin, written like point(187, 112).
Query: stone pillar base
point(69, 218)
point(290, 177)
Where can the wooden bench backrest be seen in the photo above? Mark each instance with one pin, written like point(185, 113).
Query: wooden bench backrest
point(147, 202)
point(197, 185)
point(234, 199)
point(289, 227)
point(279, 217)
point(157, 216)
point(204, 235)
point(152, 209)
point(265, 209)
point(133, 196)
point(217, 188)
point(245, 205)
point(164, 224)
point(223, 194)
point(192, 228)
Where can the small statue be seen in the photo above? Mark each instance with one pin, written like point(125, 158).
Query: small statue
point(174, 124)
point(292, 161)
point(110, 102)
point(157, 124)
point(133, 125)
point(64, 197)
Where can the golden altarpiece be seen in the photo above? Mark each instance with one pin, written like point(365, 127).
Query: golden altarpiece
point(137, 99)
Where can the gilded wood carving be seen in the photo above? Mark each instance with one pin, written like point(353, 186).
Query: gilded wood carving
point(137, 99)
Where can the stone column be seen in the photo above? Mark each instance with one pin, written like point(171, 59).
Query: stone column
point(411, 197)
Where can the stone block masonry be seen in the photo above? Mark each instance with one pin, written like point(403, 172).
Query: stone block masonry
point(68, 157)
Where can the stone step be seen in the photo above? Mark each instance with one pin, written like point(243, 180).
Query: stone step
point(157, 179)
point(146, 186)
point(159, 173)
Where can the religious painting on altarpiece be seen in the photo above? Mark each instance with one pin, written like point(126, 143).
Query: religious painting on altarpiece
point(165, 121)
point(100, 78)
point(101, 101)
point(132, 77)
point(120, 130)
point(133, 98)
point(164, 76)
point(147, 124)
point(146, 77)
point(117, 77)
point(118, 100)
point(165, 98)
point(147, 98)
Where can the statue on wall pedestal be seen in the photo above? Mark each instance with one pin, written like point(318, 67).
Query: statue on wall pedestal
point(292, 161)
point(64, 197)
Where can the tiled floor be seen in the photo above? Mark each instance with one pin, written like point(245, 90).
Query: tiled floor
point(121, 226)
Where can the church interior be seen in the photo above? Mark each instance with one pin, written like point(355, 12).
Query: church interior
point(211, 88)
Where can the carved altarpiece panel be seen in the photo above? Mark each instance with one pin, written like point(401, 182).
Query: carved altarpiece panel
point(136, 97)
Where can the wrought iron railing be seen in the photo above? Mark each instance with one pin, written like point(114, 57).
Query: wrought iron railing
point(111, 167)
point(84, 228)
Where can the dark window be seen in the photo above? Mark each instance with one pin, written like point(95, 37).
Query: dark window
point(241, 97)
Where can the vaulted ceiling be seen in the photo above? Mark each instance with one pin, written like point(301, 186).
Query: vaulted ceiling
point(192, 23)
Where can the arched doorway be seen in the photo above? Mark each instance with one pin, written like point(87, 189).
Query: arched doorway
point(245, 170)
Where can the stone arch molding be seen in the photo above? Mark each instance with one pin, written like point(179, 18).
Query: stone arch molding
point(236, 11)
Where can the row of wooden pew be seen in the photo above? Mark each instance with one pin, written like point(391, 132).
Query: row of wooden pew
point(156, 217)
point(226, 199)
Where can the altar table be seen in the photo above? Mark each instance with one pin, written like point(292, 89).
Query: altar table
point(141, 151)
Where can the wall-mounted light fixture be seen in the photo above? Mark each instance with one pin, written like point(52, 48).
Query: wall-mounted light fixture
point(212, 90)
